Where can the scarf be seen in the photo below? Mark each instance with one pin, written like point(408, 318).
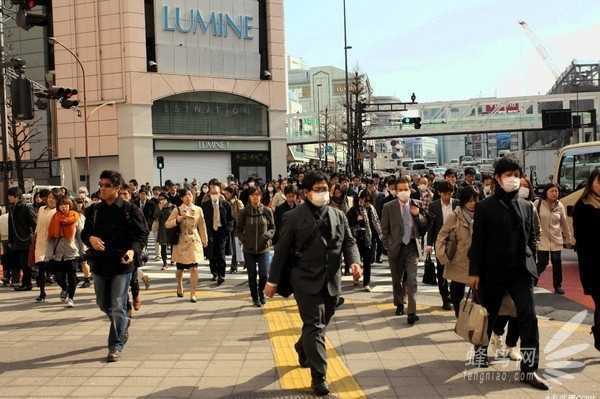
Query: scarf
point(468, 216)
point(63, 226)
point(216, 215)
point(367, 219)
point(592, 199)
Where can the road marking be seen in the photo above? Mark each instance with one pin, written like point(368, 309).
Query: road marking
point(284, 324)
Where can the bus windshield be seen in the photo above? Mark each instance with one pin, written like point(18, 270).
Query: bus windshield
point(575, 170)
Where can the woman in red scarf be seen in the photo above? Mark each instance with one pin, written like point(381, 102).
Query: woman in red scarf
point(64, 247)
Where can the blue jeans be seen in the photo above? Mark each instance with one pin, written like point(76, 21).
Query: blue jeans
point(111, 297)
point(263, 262)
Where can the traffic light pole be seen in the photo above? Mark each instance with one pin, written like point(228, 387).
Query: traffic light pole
point(3, 107)
point(85, 117)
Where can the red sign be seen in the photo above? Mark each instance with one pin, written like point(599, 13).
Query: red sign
point(509, 108)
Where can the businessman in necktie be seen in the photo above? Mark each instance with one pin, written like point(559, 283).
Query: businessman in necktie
point(403, 224)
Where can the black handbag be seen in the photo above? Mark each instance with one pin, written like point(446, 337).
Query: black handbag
point(429, 277)
point(173, 232)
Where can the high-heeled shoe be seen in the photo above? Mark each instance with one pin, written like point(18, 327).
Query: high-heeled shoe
point(193, 299)
point(180, 294)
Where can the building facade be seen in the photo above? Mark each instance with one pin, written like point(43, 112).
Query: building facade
point(200, 83)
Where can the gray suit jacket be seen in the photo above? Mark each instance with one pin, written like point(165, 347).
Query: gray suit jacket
point(313, 264)
point(392, 226)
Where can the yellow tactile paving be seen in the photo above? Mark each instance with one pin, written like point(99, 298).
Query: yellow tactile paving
point(284, 324)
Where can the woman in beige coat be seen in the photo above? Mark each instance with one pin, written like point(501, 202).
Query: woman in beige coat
point(188, 252)
point(44, 216)
point(456, 233)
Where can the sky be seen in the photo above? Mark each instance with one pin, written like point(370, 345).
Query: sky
point(443, 49)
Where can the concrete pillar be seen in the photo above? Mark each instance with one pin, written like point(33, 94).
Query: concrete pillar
point(135, 142)
point(277, 121)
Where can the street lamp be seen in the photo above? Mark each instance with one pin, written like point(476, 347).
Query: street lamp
point(53, 40)
point(348, 123)
point(319, 121)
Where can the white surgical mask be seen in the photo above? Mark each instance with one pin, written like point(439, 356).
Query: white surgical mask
point(320, 199)
point(487, 190)
point(251, 184)
point(422, 187)
point(524, 192)
point(511, 184)
point(404, 196)
point(270, 189)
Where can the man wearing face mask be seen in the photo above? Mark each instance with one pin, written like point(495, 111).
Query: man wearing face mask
point(311, 242)
point(403, 223)
point(502, 260)
point(488, 186)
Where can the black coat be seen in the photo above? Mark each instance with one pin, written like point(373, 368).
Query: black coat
point(586, 220)
point(163, 215)
point(493, 232)
point(279, 212)
point(21, 225)
point(436, 220)
point(226, 223)
point(150, 211)
point(315, 265)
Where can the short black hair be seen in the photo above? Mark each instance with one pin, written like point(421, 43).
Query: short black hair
point(134, 182)
point(506, 164)
point(116, 179)
point(403, 179)
point(486, 176)
point(254, 190)
point(156, 188)
point(214, 182)
point(470, 171)
point(182, 192)
point(162, 195)
point(444, 187)
point(290, 189)
point(15, 192)
point(143, 190)
point(450, 172)
point(43, 193)
point(466, 195)
point(313, 177)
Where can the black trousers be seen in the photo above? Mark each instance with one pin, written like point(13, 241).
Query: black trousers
point(379, 249)
point(367, 255)
point(43, 271)
point(316, 312)
point(512, 336)
point(18, 262)
point(457, 293)
point(519, 284)
point(217, 256)
point(66, 276)
point(163, 253)
point(555, 258)
point(442, 282)
point(134, 283)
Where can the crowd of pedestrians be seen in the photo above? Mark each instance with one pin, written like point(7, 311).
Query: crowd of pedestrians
point(289, 235)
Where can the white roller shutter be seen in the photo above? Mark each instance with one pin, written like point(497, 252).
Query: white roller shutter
point(200, 165)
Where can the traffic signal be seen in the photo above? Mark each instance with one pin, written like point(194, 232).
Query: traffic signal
point(21, 93)
point(63, 96)
point(27, 20)
point(412, 121)
point(160, 162)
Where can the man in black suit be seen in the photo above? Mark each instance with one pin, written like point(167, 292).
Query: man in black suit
point(502, 259)
point(148, 207)
point(219, 224)
point(313, 238)
point(439, 211)
point(291, 195)
point(470, 176)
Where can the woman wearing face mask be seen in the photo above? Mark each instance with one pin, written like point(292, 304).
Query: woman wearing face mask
point(460, 225)
point(488, 186)
point(256, 227)
point(64, 248)
point(188, 252)
point(203, 193)
point(526, 190)
point(165, 208)
point(366, 229)
point(556, 233)
point(586, 219)
point(425, 194)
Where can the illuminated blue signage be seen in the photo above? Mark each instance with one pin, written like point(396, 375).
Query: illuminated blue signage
point(216, 23)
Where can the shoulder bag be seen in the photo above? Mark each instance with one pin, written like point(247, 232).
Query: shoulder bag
point(174, 232)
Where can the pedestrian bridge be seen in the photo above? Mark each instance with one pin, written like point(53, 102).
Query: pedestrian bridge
point(481, 115)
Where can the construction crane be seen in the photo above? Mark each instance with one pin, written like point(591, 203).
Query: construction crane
point(540, 48)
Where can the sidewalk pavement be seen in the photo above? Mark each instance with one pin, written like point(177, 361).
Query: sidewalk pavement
point(223, 347)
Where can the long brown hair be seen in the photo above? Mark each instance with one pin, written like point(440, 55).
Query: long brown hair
point(595, 175)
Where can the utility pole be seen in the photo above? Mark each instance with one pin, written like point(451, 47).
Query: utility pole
point(348, 107)
point(3, 107)
point(326, 134)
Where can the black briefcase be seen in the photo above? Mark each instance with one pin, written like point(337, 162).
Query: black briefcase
point(429, 277)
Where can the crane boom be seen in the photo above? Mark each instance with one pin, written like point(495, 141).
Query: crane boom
point(540, 48)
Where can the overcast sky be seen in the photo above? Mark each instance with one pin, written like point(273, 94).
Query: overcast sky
point(446, 49)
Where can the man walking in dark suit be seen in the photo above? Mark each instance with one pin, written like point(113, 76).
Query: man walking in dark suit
point(311, 242)
point(219, 223)
point(502, 260)
point(403, 223)
point(439, 211)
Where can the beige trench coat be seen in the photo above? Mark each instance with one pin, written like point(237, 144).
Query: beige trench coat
point(44, 217)
point(192, 237)
point(456, 269)
point(555, 226)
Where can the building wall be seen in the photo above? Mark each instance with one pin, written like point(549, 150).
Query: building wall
point(109, 37)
